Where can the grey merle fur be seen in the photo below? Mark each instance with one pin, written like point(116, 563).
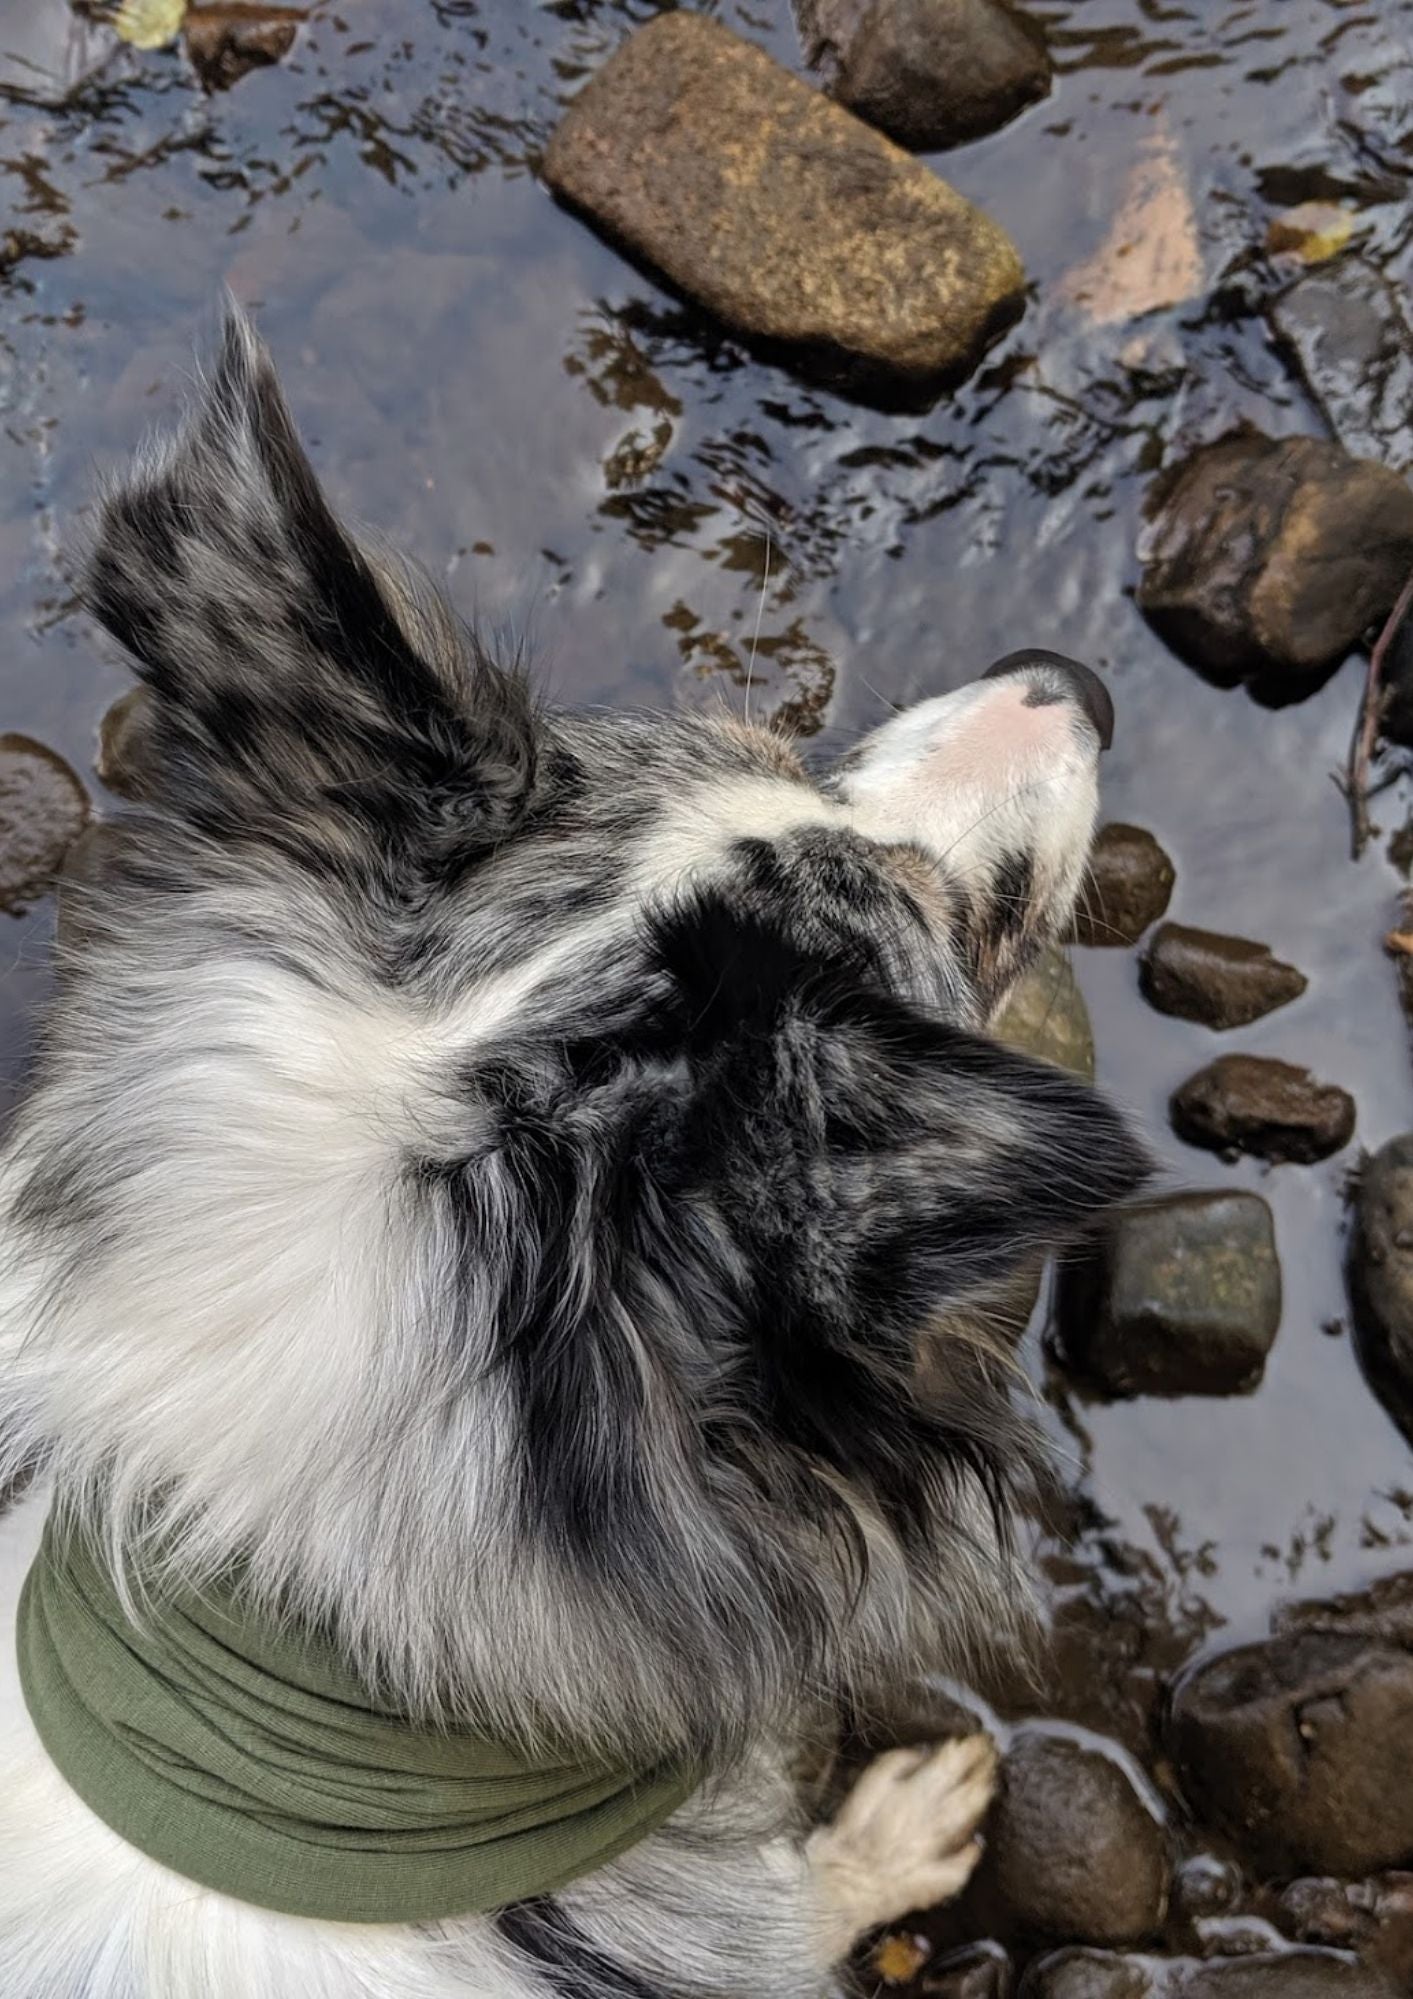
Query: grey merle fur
point(643, 1459)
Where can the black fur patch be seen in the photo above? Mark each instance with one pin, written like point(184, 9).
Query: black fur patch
point(783, 1172)
point(571, 1966)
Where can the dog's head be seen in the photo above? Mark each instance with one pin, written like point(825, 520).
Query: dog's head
point(494, 1166)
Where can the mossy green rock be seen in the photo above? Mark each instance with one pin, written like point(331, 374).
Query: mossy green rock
point(1046, 1016)
point(1181, 1297)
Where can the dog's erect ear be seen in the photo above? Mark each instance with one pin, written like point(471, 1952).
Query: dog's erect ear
point(301, 693)
point(932, 1164)
point(876, 1170)
point(882, 1163)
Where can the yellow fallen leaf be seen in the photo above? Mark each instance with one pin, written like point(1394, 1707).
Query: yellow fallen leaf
point(1313, 231)
point(150, 24)
point(899, 1958)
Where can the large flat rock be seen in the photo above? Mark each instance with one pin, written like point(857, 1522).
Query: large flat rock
point(781, 212)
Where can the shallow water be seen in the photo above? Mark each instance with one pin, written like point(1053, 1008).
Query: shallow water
point(584, 459)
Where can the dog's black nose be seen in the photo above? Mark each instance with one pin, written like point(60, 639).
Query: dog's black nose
point(1085, 685)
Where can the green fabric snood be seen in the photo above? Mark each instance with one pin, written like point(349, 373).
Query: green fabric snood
point(247, 1758)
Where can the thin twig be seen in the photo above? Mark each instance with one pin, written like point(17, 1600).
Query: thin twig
point(1361, 750)
point(755, 635)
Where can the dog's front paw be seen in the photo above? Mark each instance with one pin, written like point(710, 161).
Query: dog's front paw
point(905, 1837)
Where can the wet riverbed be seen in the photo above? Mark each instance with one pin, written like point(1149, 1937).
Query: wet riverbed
point(588, 462)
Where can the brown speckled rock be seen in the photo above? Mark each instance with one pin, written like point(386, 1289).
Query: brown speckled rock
point(934, 73)
point(1268, 559)
point(779, 210)
point(1127, 888)
point(43, 810)
point(1219, 981)
point(1272, 1110)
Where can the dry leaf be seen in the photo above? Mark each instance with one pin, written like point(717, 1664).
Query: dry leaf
point(150, 24)
point(1313, 231)
point(899, 1958)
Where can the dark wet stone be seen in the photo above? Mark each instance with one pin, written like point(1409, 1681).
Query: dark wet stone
point(1268, 559)
point(934, 73)
point(224, 43)
point(1128, 887)
point(1384, 1611)
point(1236, 1936)
point(1392, 1945)
point(43, 810)
point(123, 759)
point(1381, 1276)
point(1086, 1974)
point(1046, 1015)
point(1396, 713)
point(1293, 1974)
point(826, 28)
point(984, 1972)
point(1219, 981)
point(1300, 1750)
point(1317, 1909)
point(1071, 1848)
point(1205, 1886)
point(779, 210)
point(1346, 329)
point(1270, 1109)
point(1181, 1296)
